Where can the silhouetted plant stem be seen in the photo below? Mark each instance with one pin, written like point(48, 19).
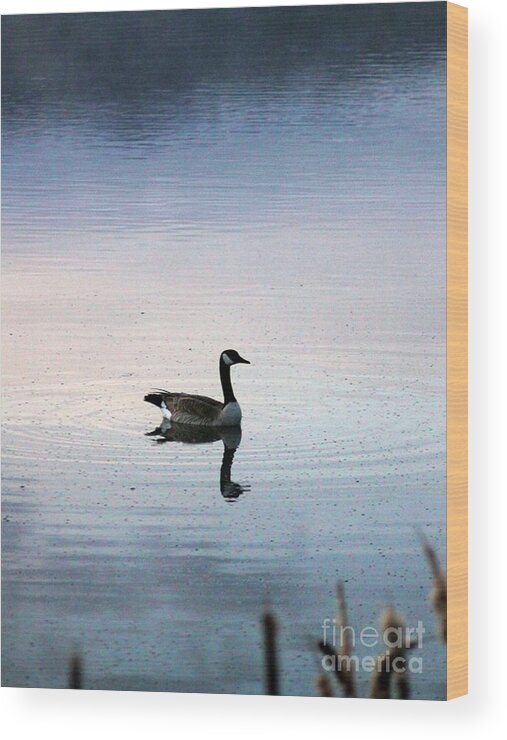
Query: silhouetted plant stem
point(270, 628)
point(75, 672)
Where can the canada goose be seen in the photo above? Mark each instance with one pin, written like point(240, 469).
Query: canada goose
point(184, 408)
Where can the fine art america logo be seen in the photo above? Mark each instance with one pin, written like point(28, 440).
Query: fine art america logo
point(384, 650)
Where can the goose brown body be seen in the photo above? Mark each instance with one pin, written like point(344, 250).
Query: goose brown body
point(186, 408)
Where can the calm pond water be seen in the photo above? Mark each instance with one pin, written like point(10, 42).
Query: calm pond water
point(174, 184)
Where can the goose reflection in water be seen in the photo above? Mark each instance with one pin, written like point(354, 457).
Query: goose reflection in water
point(194, 435)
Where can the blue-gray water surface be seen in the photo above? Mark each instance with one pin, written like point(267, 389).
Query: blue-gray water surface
point(174, 184)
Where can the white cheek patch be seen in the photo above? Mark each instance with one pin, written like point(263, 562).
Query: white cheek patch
point(165, 411)
point(227, 359)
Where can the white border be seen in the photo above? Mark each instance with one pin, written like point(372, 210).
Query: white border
point(52, 714)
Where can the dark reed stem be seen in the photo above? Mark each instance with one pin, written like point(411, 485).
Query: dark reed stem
point(346, 676)
point(270, 653)
point(75, 672)
point(438, 595)
point(323, 686)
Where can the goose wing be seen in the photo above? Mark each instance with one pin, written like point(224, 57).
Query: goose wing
point(200, 407)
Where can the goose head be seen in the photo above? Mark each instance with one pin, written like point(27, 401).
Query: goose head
point(231, 357)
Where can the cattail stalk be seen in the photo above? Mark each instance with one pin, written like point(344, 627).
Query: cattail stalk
point(323, 685)
point(438, 595)
point(381, 679)
point(75, 672)
point(341, 654)
point(385, 677)
point(346, 672)
point(270, 629)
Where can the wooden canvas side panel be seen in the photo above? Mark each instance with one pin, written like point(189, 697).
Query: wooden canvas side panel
point(457, 350)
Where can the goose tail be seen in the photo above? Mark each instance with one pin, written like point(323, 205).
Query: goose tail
point(154, 398)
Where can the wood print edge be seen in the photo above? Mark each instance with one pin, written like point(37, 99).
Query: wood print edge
point(457, 350)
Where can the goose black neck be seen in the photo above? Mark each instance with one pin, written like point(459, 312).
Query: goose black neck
point(225, 378)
